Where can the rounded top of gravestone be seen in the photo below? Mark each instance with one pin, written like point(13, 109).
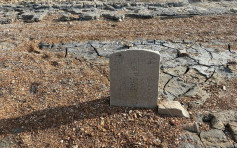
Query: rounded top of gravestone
point(135, 50)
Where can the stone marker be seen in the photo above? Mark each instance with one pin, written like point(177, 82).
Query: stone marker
point(134, 76)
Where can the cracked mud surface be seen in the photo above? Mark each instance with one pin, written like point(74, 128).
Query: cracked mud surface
point(54, 88)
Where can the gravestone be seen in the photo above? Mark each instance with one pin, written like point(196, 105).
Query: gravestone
point(134, 76)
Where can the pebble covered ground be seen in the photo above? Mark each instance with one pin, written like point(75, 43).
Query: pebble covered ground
point(54, 88)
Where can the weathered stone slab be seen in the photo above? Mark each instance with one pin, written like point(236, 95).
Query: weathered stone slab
point(172, 108)
point(134, 76)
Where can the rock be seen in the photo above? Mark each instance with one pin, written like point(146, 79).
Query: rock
point(109, 7)
point(226, 116)
point(30, 17)
point(177, 87)
point(99, 4)
point(233, 129)
point(172, 108)
point(204, 70)
point(114, 16)
point(75, 11)
point(39, 16)
point(38, 7)
point(176, 71)
point(193, 76)
point(234, 10)
point(66, 17)
point(141, 15)
point(88, 4)
point(120, 5)
point(192, 127)
point(163, 79)
point(182, 53)
point(200, 54)
point(78, 6)
point(89, 16)
point(169, 59)
point(197, 91)
point(6, 20)
point(82, 51)
point(7, 142)
point(43, 45)
point(214, 138)
point(220, 57)
point(217, 124)
point(190, 140)
point(105, 49)
point(207, 118)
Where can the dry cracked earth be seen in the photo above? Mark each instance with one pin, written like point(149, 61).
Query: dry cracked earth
point(54, 73)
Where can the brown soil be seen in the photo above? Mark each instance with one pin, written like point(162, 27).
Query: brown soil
point(53, 101)
point(204, 29)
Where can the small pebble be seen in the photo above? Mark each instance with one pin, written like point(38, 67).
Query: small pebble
point(224, 88)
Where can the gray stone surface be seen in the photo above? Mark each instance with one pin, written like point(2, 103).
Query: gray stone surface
point(233, 129)
point(215, 138)
point(179, 76)
point(30, 17)
point(134, 76)
point(7, 141)
point(226, 116)
point(89, 16)
point(192, 127)
point(114, 16)
point(177, 87)
point(66, 17)
point(217, 123)
point(190, 140)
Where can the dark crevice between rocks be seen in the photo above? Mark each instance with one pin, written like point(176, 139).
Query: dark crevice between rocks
point(66, 51)
point(170, 74)
point(229, 48)
point(191, 88)
point(96, 51)
point(209, 53)
point(229, 132)
point(187, 70)
point(167, 84)
point(165, 17)
point(211, 76)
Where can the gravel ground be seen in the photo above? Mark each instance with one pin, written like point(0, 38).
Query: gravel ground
point(217, 31)
point(48, 100)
